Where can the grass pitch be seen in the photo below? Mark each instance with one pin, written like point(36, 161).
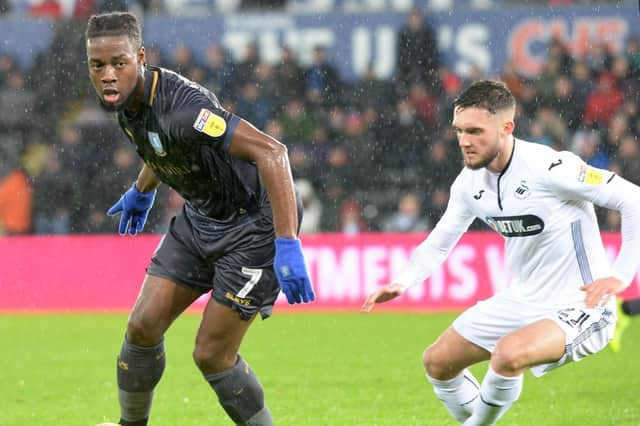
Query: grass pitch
point(317, 369)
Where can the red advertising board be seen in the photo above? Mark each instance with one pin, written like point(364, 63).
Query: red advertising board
point(95, 273)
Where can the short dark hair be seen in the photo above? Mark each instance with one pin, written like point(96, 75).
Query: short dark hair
point(115, 24)
point(486, 94)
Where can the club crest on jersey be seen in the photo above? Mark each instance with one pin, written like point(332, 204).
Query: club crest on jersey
point(156, 144)
point(522, 191)
point(589, 175)
point(210, 124)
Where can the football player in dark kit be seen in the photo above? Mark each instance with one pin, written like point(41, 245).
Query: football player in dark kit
point(235, 237)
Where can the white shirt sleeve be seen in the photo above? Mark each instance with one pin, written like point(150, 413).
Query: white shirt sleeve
point(575, 180)
point(435, 248)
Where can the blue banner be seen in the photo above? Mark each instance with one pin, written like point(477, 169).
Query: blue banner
point(485, 39)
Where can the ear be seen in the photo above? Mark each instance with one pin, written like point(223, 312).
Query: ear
point(142, 58)
point(508, 127)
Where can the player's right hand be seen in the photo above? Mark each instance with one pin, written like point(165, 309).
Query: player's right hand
point(384, 294)
point(135, 206)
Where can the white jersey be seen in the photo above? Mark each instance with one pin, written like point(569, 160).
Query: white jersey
point(542, 204)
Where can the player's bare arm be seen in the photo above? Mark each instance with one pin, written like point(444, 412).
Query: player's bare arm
point(147, 180)
point(272, 161)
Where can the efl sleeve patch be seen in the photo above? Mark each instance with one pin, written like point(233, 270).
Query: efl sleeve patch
point(210, 123)
point(589, 175)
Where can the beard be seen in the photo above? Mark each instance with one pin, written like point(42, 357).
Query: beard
point(482, 162)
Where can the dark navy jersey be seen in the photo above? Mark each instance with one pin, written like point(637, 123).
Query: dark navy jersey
point(183, 134)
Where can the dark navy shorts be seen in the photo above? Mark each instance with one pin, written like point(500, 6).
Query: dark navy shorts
point(234, 259)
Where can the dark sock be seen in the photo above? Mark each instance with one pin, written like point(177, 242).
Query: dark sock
point(139, 371)
point(631, 307)
point(142, 422)
point(241, 395)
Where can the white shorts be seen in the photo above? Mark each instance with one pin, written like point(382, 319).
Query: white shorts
point(587, 330)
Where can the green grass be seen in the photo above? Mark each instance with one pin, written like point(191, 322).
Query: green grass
point(317, 369)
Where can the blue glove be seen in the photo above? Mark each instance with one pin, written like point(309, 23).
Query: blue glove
point(135, 206)
point(291, 271)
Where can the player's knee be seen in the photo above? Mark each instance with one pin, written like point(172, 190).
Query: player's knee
point(141, 332)
point(212, 358)
point(506, 359)
point(434, 363)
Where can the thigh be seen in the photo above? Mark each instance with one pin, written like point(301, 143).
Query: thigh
point(159, 303)
point(585, 331)
point(540, 342)
point(451, 353)
point(219, 336)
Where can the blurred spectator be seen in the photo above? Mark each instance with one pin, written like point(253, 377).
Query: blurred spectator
point(599, 58)
point(436, 204)
point(618, 127)
point(252, 106)
point(219, 70)
point(586, 145)
point(312, 207)
point(370, 92)
point(53, 198)
point(425, 105)
point(581, 82)
point(632, 54)
point(629, 158)
point(560, 54)
point(408, 217)
point(182, 59)
point(351, 221)
point(244, 70)
point(418, 54)
point(16, 103)
point(620, 72)
point(16, 199)
point(402, 142)
point(322, 77)
point(514, 81)
point(545, 83)
point(603, 102)
point(538, 133)
point(566, 105)
point(289, 74)
point(7, 67)
point(269, 88)
point(297, 125)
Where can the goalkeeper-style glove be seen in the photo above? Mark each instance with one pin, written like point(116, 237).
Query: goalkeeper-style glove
point(291, 271)
point(135, 206)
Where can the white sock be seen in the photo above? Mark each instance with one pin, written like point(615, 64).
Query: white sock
point(497, 394)
point(457, 394)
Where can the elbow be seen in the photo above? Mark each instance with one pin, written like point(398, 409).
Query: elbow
point(276, 151)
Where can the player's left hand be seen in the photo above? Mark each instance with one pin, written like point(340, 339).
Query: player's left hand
point(382, 295)
point(601, 290)
point(291, 271)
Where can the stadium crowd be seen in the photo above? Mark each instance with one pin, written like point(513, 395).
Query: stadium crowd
point(367, 155)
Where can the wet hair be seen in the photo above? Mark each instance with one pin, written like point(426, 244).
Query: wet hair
point(490, 95)
point(115, 24)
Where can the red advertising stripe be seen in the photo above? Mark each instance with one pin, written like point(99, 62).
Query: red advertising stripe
point(86, 273)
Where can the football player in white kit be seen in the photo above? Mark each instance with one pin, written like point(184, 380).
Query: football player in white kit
point(560, 305)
